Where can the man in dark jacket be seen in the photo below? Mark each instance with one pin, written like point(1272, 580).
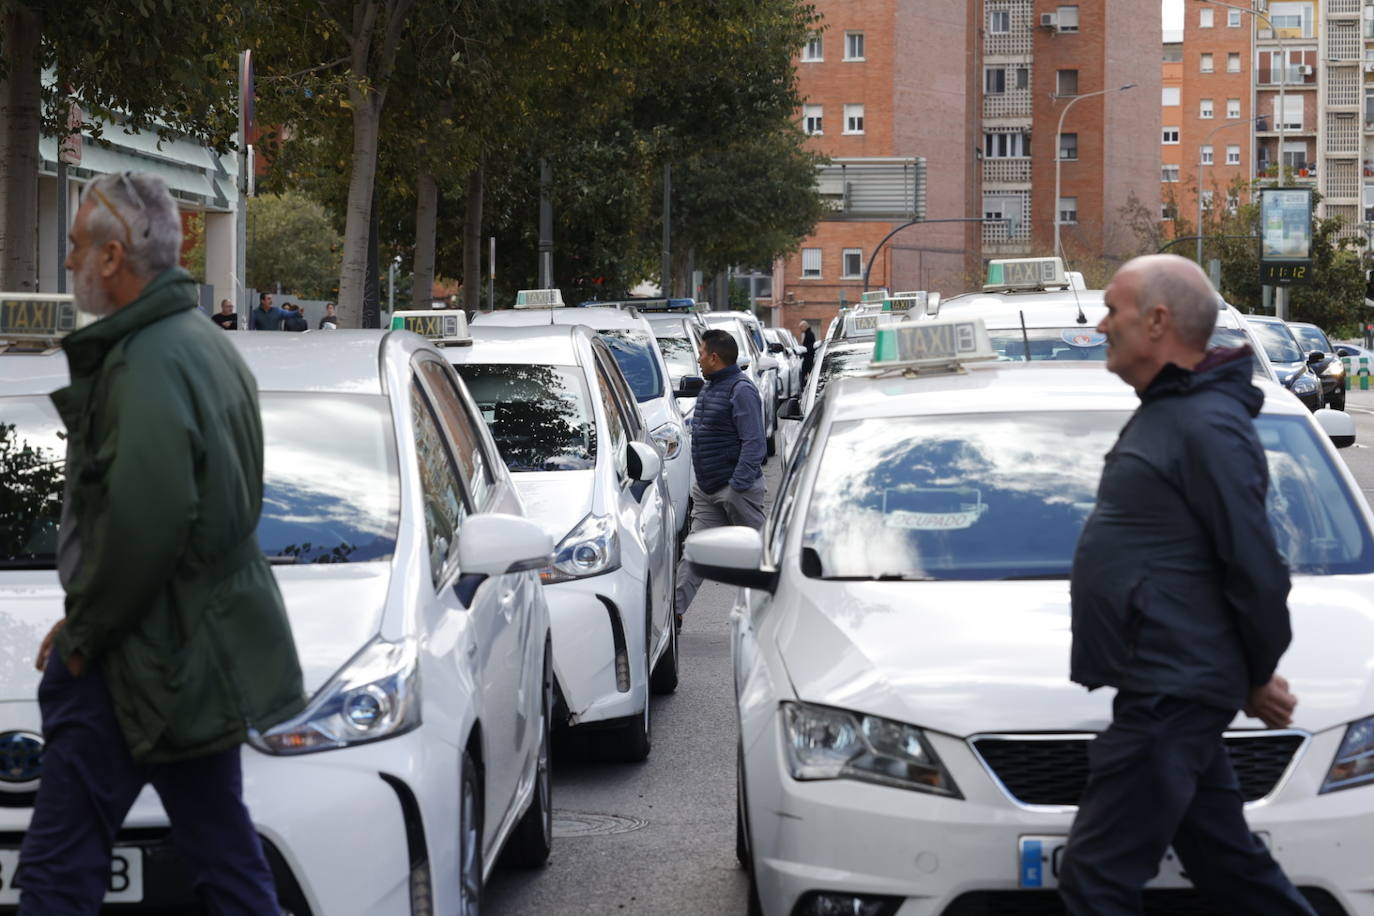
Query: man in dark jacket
point(808, 343)
point(1180, 603)
point(266, 317)
point(175, 640)
point(727, 452)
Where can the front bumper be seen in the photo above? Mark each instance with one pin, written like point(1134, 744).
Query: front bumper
point(597, 624)
point(937, 856)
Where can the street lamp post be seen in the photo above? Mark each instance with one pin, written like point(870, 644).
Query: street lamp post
point(1200, 164)
point(1058, 154)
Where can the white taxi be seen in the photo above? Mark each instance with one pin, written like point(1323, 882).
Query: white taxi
point(409, 575)
point(569, 429)
point(909, 740)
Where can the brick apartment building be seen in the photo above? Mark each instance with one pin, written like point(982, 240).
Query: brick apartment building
point(977, 89)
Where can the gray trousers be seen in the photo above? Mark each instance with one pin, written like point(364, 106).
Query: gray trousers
point(726, 506)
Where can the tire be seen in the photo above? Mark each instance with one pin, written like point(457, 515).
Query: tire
point(772, 443)
point(532, 839)
point(635, 739)
point(1337, 401)
point(664, 680)
point(470, 840)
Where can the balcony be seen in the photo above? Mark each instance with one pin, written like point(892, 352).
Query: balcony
point(1304, 173)
point(1006, 171)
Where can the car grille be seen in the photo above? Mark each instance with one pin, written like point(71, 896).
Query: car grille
point(1053, 771)
point(1179, 902)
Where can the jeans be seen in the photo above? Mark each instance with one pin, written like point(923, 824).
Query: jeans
point(726, 506)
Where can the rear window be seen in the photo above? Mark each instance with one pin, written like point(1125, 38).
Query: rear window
point(681, 356)
point(1311, 339)
point(539, 415)
point(634, 353)
point(1278, 343)
point(1077, 344)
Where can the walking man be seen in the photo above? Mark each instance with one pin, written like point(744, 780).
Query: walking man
point(175, 639)
point(727, 452)
point(808, 337)
point(226, 318)
point(1180, 603)
point(265, 317)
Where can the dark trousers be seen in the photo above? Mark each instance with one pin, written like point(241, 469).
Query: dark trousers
point(90, 781)
point(1160, 774)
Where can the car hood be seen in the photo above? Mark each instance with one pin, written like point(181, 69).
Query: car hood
point(334, 610)
point(556, 500)
point(969, 657)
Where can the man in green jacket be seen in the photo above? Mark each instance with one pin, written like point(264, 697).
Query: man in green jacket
point(175, 640)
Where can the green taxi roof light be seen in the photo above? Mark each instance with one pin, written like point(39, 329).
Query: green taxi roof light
point(539, 299)
point(935, 345)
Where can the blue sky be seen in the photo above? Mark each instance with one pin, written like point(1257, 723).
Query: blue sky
point(1173, 14)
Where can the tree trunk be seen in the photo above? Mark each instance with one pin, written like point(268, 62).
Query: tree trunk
point(426, 215)
point(19, 117)
point(358, 219)
point(472, 242)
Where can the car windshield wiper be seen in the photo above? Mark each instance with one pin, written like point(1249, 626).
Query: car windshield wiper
point(885, 577)
point(37, 561)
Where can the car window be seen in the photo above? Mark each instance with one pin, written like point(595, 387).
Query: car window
point(786, 500)
point(1074, 344)
point(629, 407)
point(839, 362)
point(681, 356)
point(461, 428)
point(444, 504)
point(1231, 338)
point(634, 353)
point(615, 422)
point(1278, 343)
point(540, 416)
point(33, 459)
point(1311, 339)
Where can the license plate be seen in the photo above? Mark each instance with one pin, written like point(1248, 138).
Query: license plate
point(1042, 856)
point(126, 876)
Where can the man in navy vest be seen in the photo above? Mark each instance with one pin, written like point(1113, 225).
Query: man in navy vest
point(727, 452)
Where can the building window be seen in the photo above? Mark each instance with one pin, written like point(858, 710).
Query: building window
point(1233, 19)
point(812, 51)
point(1206, 150)
point(1170, 96)
point(853, 119)
point(1169, 173)
point(1204, 19)
point(1205, 109)
point(1206, 66)
point(1068, 146)
point(853, 45)
point(811, 120)
point(1233, 154)
point(811, 263)
point(1170, 135)
point(1233, 108)
point(1066, 82)
point(1168, 211)
point(1068, 210)
point(853, 263)
point(1292, 112)
point(1067, 19)
point(1207, 200)
point(1003, 145)
point(999, 22)
point(1292, 20)
point(1233, 62)
point(994, 80)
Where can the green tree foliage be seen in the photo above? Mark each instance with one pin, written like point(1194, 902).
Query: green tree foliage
point(31, 481)
point(292, 241)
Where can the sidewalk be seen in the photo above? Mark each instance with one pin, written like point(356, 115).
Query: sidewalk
point(1364, 400)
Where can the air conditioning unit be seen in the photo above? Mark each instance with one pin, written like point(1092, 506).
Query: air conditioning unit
point(1369, 66)
point(1305, 69)
point(1049, 20)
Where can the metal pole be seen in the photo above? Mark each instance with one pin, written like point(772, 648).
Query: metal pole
point(545, 225)
point(1058, 248)
point(491, 273)
point(666, 267)
point(243, 306)
point(391, 286)
point(62, 205)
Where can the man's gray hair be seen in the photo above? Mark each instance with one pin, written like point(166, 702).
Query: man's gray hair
point(1179, 285)
point(136, 208)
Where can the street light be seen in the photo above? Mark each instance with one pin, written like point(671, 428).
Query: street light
point(1200, 164)
point(1058, 153)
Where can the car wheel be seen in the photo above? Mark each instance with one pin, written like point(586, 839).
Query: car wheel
point(635, 739)
point(470, 840)
point(1337, 401)
point(772, 443)
point(665, 672)
point(532, 839)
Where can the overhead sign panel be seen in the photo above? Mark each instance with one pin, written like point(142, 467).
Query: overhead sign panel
point(1285, 236)
point(874, 188)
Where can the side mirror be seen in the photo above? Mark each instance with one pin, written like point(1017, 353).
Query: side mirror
point(1315, 356)
point(742, 362)
point(644, 463)
point(790, 409)
point(767, 363)
point(689, 386)
point(493, 544)
point(1338, 425)
point(775, 348)
point(733, 555)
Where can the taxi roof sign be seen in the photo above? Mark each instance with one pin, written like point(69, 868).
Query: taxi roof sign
point(873, 295)
point(866, 322)
point(1025, 273)
point(443, 326)
point(942, 345)
point(40, 316)
point(913, 302)
point(539, 299)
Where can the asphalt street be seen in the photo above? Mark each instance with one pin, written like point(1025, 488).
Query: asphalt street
point(1360, 456)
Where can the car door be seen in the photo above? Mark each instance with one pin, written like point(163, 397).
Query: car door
point(496, 606)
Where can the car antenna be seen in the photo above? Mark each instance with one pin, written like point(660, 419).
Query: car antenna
point(1081, 319)
point(1025, 336)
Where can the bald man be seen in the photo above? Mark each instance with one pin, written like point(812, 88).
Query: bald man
point(1180, 603)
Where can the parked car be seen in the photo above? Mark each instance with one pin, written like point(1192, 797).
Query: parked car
point(1288, 360)
point(785, 351)
point(1328, 365)
point(761, 368)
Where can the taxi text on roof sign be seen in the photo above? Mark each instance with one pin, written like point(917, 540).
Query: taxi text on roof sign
point(539, 299)
point(913, 302)
point(874, 295)
point(39, 316)
point(917, 344)
point(1025, 273)
point(439, 325)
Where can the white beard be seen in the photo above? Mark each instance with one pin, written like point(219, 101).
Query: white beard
point(90, 298)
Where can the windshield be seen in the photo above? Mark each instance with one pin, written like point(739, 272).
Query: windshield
point(839, 362)
point(538, 415)
point(1311, 339)
point(634, 351)
point(330, 493)
point(680, 355)
point(1076, 343)
point(1278, 343)
point(735, 330)
point(1005, 496)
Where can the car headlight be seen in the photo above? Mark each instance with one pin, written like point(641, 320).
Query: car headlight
point(668, 438)
point(1335, 369)
point(1354, 763)
point(375, 696)
point(1303, 383)
point(826, 743)
point(590, 549)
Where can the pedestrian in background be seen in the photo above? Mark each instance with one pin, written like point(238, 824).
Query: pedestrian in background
point(175, 641)
point(330, 320)
point(1180, 603)
point(808, 337)
point(295, 318)
point(226, 318)
point(265, 317)
point(727, 452)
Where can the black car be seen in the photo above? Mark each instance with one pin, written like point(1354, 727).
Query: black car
point(1323, 359)
point(1288, 359)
